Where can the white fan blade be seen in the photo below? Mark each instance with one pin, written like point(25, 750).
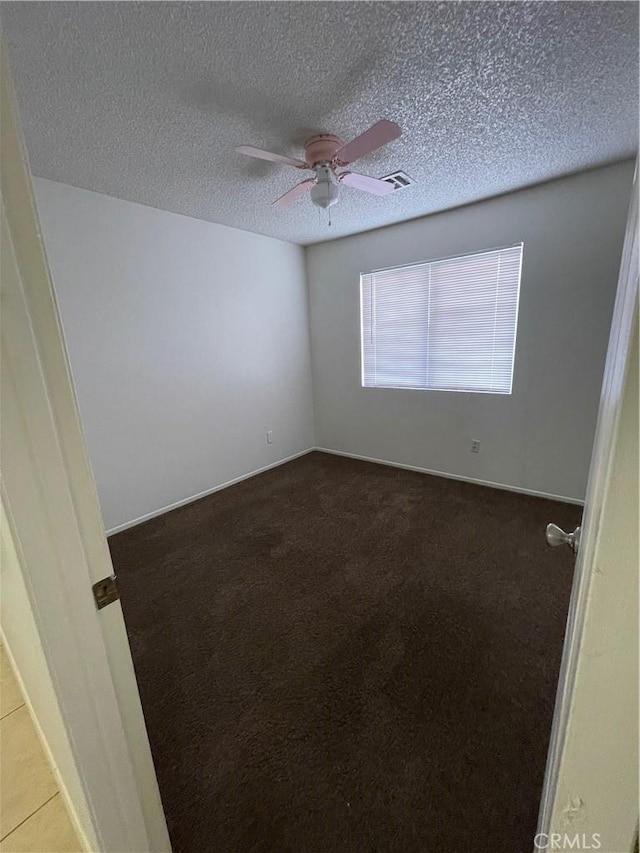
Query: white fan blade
point(364, 182)
point(292, 194)
point(258, 153)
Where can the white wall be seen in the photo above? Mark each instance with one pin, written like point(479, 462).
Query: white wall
point(540, 437)
point(187, 341)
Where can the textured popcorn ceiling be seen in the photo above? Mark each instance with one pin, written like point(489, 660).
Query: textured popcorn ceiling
point(147, 101)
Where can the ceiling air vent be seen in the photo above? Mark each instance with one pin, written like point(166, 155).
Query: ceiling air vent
point(398, 180)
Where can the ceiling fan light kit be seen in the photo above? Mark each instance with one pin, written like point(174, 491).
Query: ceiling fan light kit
point(324, 155)
point(326, 190)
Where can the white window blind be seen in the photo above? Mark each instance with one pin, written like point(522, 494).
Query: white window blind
point(448, 325)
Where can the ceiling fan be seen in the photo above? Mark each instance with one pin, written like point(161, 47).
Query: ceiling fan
point(324, 155)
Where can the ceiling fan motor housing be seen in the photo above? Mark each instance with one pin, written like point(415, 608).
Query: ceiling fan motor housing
point(321, 148)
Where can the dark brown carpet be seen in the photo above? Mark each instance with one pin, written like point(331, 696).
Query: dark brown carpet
point(341, 657)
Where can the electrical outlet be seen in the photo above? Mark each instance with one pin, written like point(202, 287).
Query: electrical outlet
point(269, 436)
point(475, 445)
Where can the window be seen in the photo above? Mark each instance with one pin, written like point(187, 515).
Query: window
point(447, 325)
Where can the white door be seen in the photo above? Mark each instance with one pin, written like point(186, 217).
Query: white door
point(590, 794)
point(52, 511)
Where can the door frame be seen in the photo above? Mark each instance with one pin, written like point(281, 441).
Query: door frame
point(611, 396)
point(54, 520)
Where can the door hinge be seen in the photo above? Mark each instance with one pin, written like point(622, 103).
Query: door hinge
point(105, 591)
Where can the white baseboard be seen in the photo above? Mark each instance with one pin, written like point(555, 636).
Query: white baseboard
point(156, 512)
point(503, 486)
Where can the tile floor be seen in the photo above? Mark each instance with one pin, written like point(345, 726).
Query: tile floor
point(33, 816)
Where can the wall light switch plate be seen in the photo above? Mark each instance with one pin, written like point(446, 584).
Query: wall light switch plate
point(269, 436)
point(475, 445)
